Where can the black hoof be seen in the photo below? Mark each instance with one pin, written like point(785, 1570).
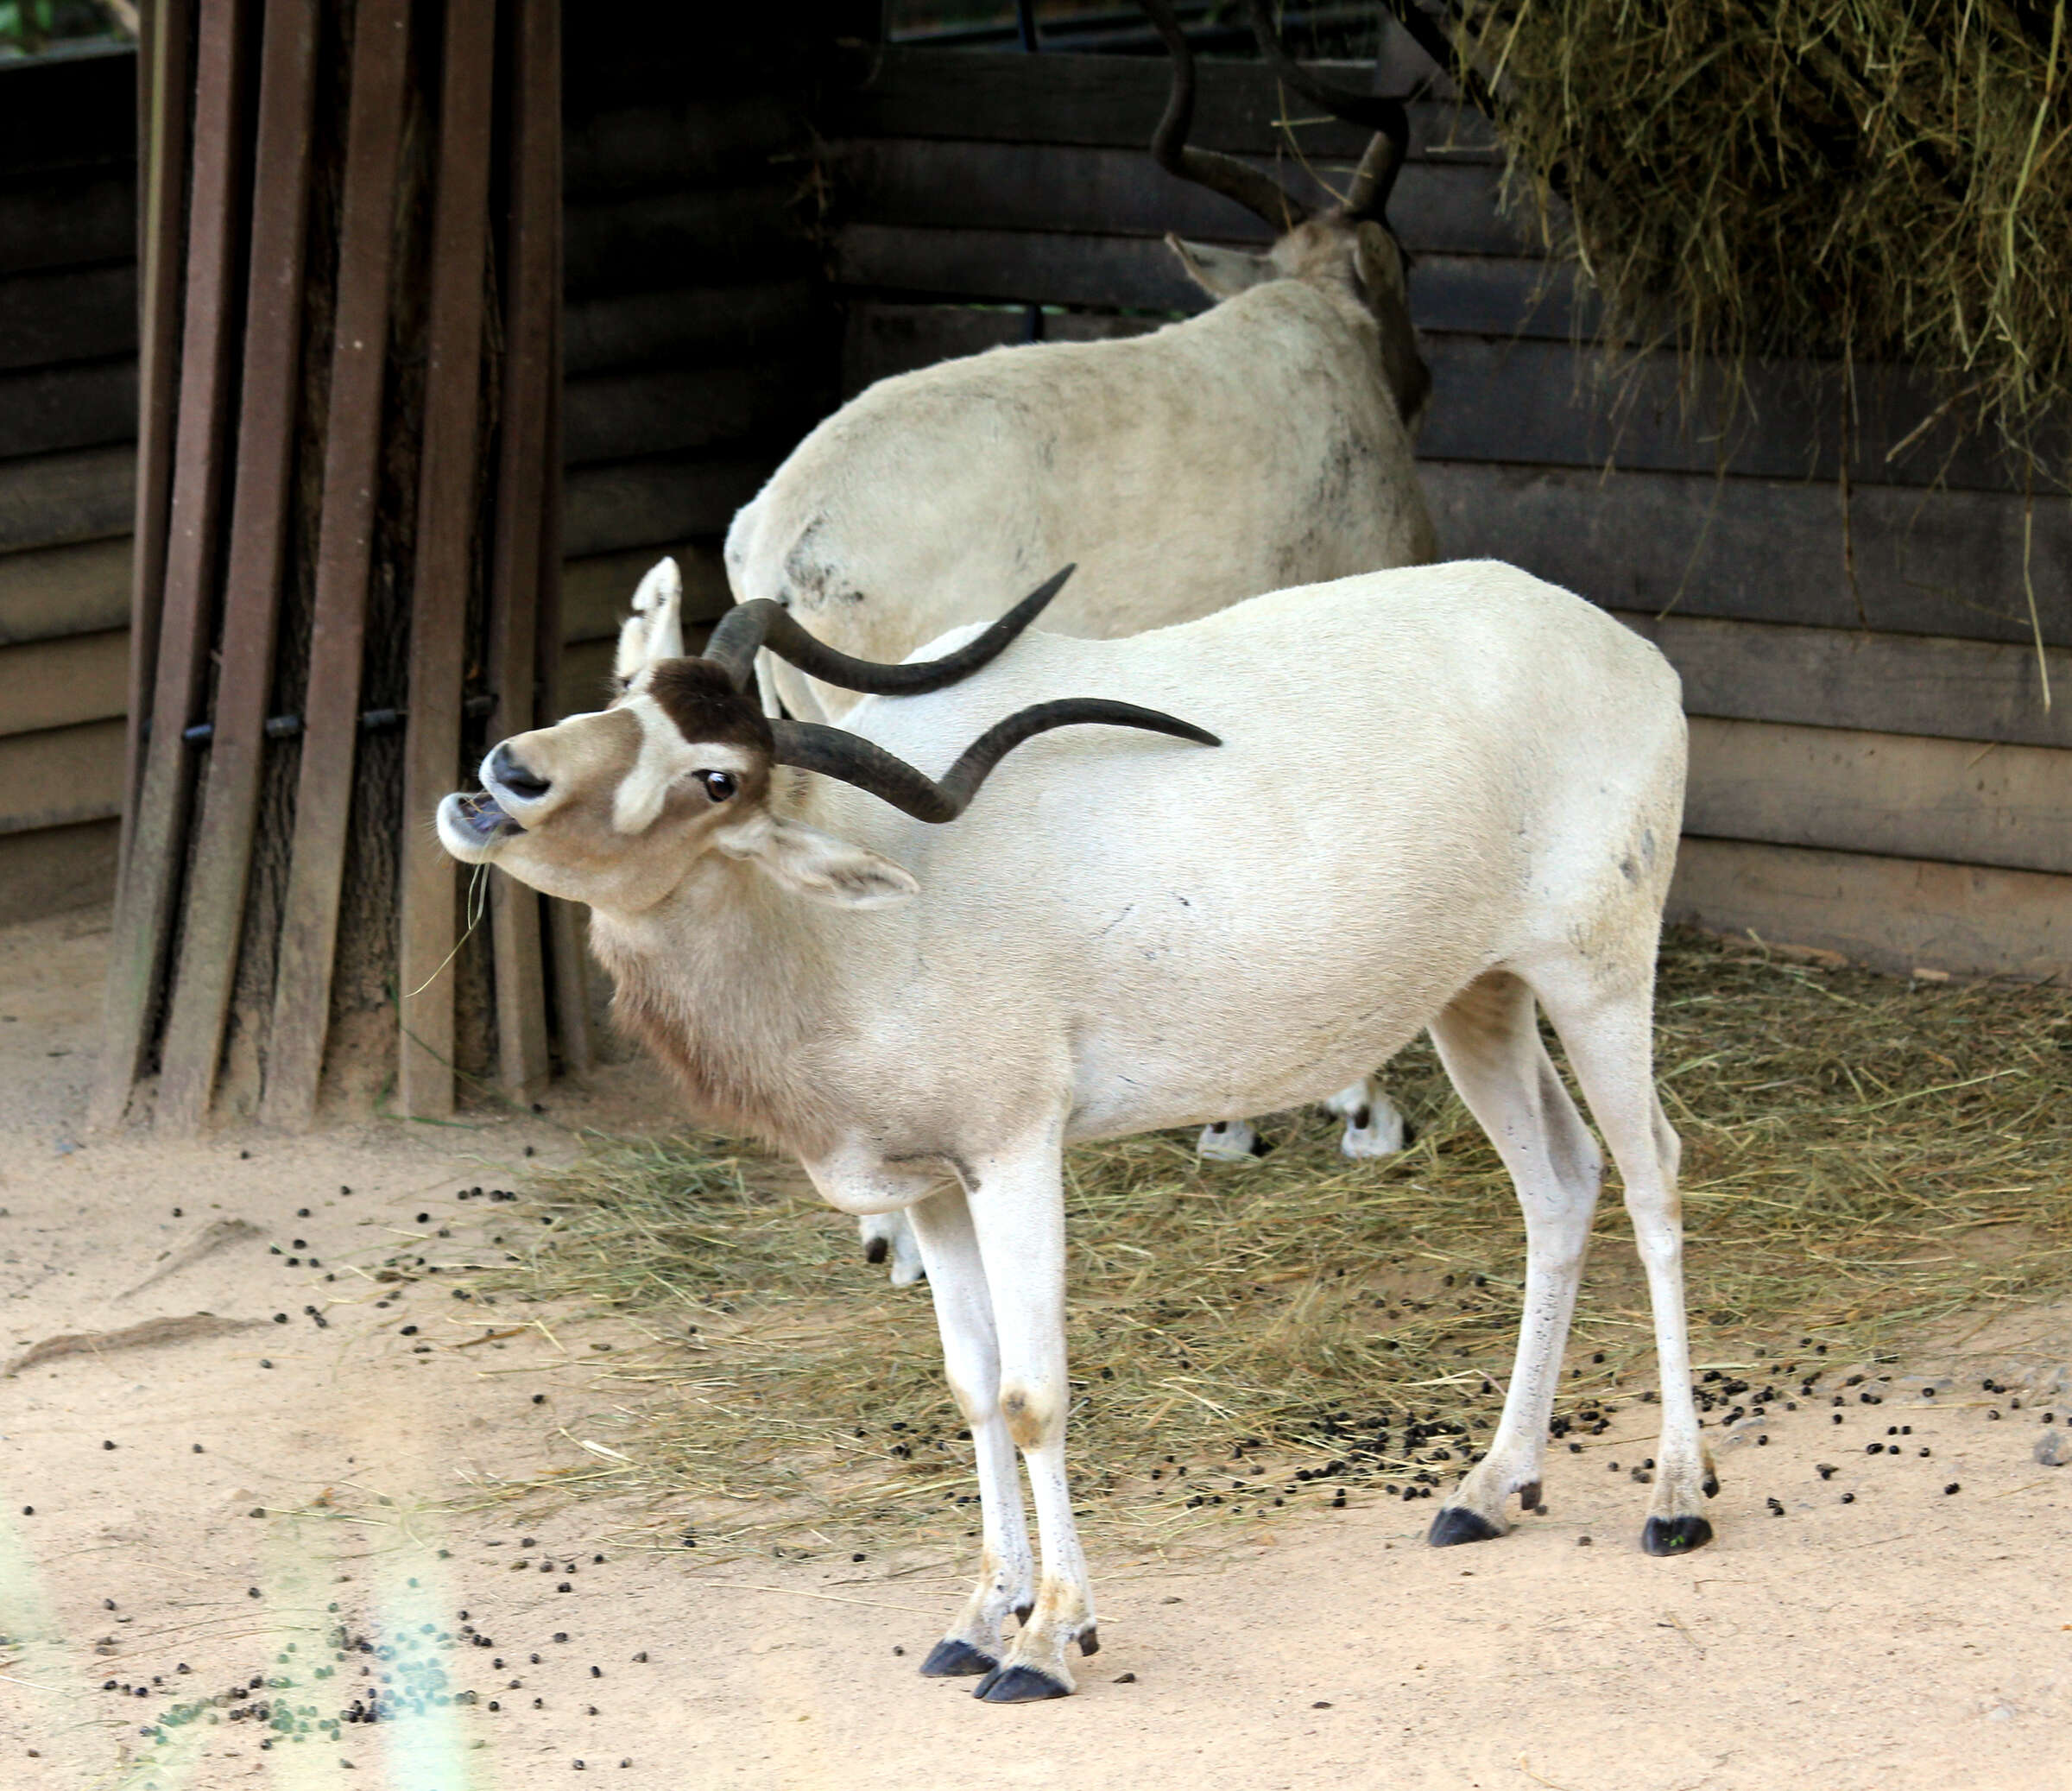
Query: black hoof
point(1457, 1523)
point(1410, 1135)
point(952, 1658)
point(1675, 1535)
point(1712, 1485)
point(1089, 1639)
point(1018, 1685)
point(1260, 1147)
point(877, 1251)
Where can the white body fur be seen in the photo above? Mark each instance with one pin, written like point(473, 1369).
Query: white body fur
point(1265, 444)
point(1463, 789)
point(1254, 447)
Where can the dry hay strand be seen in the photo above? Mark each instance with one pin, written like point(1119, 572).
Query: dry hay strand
point(1864, 1157)
point(1873, 179)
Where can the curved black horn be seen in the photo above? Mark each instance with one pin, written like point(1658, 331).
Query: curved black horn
point(1432, 37)
point(1376, 112)
point(1385, 117)
point(749, 626)
point(835, 752)
point(1375, 179)
point(1257, 192)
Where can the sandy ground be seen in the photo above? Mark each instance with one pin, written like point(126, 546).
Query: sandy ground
point(220, 1510)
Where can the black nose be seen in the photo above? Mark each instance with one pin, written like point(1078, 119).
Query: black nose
point(515, 777)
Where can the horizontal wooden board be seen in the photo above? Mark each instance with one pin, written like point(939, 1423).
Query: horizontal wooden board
point(885, 336)
point(659, 52)
point(675, 239)
point(672, 409)
point(1115, 101)
point(56, 870)
point(71, 218)
point(1509, 383)
point(1544, 402)
point(881, 336)
point(634, 503)
point(84, 495)
point(1473, 291)
point(1930, 563)
point(69, 314)
point(60, 776)
point(688, 143)
point(1123, 193)
point(1852, 678)
point(77, 589)
point(85, 404)
point(59, 683)
point(1893, 913)
point(1012, 267)
point(702, 322)
point(72, 109)
point(586, 679)
point(1895, 794)
point(596, 594)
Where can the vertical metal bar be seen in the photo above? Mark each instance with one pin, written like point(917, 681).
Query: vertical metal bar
point(352, 472)
point(165, 80)
point(1031, 44)
point(180, 657)
point(258, 541)
point(565, 919)
point(445, 536)
point(444, 556)
point(147, 22)
point(532, 279)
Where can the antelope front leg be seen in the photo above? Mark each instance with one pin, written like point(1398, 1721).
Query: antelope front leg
point(1018, 1211)
point(963, 1315)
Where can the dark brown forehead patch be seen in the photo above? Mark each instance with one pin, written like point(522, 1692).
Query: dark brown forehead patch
point(697, 695)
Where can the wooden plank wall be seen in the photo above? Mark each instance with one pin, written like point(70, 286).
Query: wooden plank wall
point(67, 456)
point(698, 349)
point(699, 343)
point(1874, 769)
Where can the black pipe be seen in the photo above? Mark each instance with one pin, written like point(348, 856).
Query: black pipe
point(288, 727)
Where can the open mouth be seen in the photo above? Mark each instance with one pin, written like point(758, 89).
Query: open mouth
point(481, 816)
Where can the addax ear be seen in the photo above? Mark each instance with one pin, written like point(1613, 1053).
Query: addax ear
point(817, 866)
point(655, 630)
point(1223, 273)
point(1378, 271)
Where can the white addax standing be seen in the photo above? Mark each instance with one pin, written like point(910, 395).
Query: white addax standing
point(1460, 790)
point(1264, 443)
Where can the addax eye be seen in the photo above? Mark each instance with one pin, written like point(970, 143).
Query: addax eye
point(719, 785)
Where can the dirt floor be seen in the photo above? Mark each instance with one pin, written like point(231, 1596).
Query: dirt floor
point(220, 1503)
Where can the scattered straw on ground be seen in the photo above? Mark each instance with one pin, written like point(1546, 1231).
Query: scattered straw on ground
point(1864, 1158)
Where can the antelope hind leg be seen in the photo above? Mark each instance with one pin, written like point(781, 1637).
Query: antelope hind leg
point(1375, 1125)
point(887, 1235)
point(1489, 1043)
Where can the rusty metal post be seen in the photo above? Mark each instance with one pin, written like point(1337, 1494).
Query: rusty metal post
point(352, 454)
point(158, 829)
point(446, 541)
point(533, 279)
point(257, 560)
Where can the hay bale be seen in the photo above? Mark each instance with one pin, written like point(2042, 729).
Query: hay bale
point(1872, 179)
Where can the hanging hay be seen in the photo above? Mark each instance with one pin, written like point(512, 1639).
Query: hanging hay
point(1864, 1158)
point(1875, 179)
